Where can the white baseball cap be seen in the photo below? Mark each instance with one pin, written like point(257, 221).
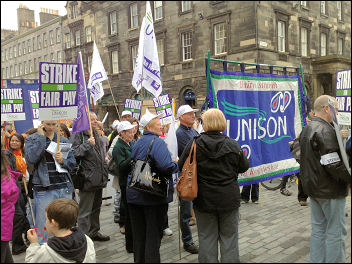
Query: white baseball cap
point(115, 124)
point(184, 109)
point(126, 112)
point(147, 117)
point(124, 125)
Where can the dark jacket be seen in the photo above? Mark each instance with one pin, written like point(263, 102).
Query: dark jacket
point(160, 157)
point(219, 160)
point(93, 165)
point(329, 181)
point(184, 135)
point(122, 158)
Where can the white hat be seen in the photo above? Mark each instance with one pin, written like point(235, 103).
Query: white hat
point(184, 109)
point(147, 117)
point(115, 124)
point(126, 112)
point(124, 125)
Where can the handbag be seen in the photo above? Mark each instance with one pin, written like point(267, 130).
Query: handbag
point(295, 149)
point(76, 174)
point(144, 179)
point(187, 186)
point(112, 169)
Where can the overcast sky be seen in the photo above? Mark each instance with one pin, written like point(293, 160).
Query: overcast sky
point(9, 11)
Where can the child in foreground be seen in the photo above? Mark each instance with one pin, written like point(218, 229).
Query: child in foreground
point(68, 244)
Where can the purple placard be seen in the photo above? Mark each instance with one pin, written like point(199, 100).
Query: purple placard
point(57, 90)
point(343, 96)
point(163, 105)
point(34, 106)
point(135, 106)
point(12, 106)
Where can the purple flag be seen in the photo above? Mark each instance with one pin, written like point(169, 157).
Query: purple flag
point(81, 123)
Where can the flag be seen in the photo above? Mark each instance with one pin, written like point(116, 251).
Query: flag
point(81, 123)
point(97, 76)
point(171, 140)
point(147, 68)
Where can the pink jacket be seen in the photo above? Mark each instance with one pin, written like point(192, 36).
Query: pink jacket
point(9, 194)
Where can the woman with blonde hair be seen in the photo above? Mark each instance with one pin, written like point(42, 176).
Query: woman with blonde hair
point(219, 160)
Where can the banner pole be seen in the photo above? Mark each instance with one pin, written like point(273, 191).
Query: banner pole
point(208, 84)
point(302, 78)
point(113, 99)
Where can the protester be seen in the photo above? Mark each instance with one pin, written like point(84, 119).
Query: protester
point(124, 116)
point(48, 183)
point(89, 150)
point(105, 140)
point(8, 132)
point(64, 131)
point(9, 194)
point(20, 221)
point(147, 210)
point(112, 128)
point(219, 160)
point(68, 243)
point(283, 184)
point(136, 132)
point(185, 134)
point(325, 180)
point(250, 191)
point(122, 157)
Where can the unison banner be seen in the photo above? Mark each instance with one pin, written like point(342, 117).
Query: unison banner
point(57, 90)
point(263, 113)
point(343, 96)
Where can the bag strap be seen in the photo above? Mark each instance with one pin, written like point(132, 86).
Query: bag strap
point(149, 148)
point(192, 150)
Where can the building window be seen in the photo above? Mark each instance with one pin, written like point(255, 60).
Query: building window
point(35, 65)
point(45, 41)
point(113, 23)
point(16, 70)
point(186, 6)
point(39, 42)
point(304, 42)
point(68, 40)
point(89, 63)
point(11, 72)
point(58, 35)
point(29, 46)
point(39, 60)
point(339, 10)
point(323, 44)
point(52, 58)
point(340, 46)
point(2, 56)
point(20, 69)
point(24, 47)
point(323, 7)
point(25, 68)
point(88, 34)
point(74, 11)
point(30, 66)
point(134, 51)
point(304, 3)
point(33, 43)
point(115, 62)
point(59, 57)
point(78, 38)
point(186, 39)
point(51, 37)
point(10, 53)
point(15, 51)
point(219, 38)
point(158, 10)
point(281, 36)
point(7, 72)
point(134, 15)
point(160, 47)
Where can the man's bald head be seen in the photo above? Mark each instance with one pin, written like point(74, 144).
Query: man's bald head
point(321, 102)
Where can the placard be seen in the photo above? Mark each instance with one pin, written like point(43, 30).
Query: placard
point(163, 105)
point(34, 106)
point(134, 106)
point(343, 96)
point(12, 106)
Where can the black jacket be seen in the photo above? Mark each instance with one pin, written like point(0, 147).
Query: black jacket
point(93, 165)
point(219, 160)
point(328, 181)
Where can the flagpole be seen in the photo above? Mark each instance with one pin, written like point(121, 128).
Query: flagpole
point(114, 100)
point(90, 124)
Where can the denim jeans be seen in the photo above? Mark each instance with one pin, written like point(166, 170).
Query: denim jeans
point(41, 200)
point(327, 240)
point(185, 217)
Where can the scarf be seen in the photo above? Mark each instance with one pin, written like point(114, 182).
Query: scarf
point(20, 163)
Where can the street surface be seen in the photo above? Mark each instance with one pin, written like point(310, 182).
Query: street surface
point(276, 230)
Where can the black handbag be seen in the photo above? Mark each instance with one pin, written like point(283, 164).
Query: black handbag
point(76, 174)
point(144, 179)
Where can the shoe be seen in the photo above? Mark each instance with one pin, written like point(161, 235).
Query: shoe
point(20, 250)
point(255, 202)
point(303, 203)
point(122, 230)
point(100, 237)
point(285, 192)
point(244, 201)
point(192, 222)
point(167, 232)
point(116, 219)
point(191, 248)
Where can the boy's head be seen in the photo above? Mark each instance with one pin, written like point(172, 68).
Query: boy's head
point(63, 211)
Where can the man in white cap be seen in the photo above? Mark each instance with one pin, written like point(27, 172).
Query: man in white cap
point(185, 133)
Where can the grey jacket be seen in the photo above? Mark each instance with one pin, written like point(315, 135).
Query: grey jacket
point(92, 158)
point(35, 148)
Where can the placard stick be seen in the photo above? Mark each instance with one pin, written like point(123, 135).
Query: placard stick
point(117, 111)
point(58, 136)
point(260, 196)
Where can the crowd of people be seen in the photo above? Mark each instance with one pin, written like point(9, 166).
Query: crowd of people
point(60, 226)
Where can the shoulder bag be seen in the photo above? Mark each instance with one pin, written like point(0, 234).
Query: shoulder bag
point(144, 179)
point(187, 186)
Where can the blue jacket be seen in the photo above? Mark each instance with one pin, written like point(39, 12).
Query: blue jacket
point(160, 156)
point(184, 136)
point(35, 148)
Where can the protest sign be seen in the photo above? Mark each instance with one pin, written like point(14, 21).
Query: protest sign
point(57, 90)
point(343, 96)
point(34, 106)
point(12, 106)
point(134, 106)
point(263, 113)
point(163, 105)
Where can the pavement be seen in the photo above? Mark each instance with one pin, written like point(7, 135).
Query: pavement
point(275, 230)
